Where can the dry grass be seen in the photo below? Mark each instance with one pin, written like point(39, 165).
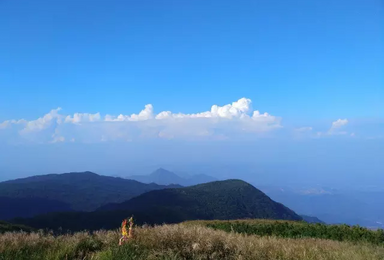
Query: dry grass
point(296, 229)
point(179, 242)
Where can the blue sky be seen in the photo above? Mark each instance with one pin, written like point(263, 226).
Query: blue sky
point(315, 68)
point(310, 59)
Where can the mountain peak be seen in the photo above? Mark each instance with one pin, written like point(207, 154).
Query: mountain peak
point(229, 199)
point(162, 172)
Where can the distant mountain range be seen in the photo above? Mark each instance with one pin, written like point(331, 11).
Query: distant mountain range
point(230, 199)
point(164, 177)
point(81, 191)
point(333, 206)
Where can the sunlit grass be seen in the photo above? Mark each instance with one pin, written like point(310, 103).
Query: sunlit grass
point(183, 241)
point(296, 229)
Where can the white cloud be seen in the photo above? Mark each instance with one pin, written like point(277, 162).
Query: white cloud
point(43, 122)
point(304, 129)
point(337, 126)
point(339, 123)
point(8, 123)
point(220, 122)
point(237, 109)
point(145, 114)
point(57, 137)
point(83, 117)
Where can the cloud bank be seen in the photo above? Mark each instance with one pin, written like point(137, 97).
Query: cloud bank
point(237, 120)
point(220, 122)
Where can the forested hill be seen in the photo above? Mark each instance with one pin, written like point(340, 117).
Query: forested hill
point(80, 191)
point(230, 199)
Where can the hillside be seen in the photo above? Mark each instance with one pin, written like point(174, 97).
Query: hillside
point(231, 199)
point(29, 207)
point(228, 199)
point(83, 191)
point(8, 227)
point(165, 177)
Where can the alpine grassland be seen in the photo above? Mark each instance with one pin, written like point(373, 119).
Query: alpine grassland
point(297, 229)
point(191, 240)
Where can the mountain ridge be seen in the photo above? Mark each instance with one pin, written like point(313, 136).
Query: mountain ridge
point(162, 176)
point(81, 191)
point(214, 200)
point(225, 200)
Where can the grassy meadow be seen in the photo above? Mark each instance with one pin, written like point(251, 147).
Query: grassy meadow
point(297, 229)
point(191, 240)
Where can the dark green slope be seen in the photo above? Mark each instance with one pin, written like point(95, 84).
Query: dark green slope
point(230, 199)
point(85, 191)
point(29, 207)
point(8, 227)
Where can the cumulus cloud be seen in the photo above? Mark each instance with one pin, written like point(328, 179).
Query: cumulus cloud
point(83, 117)
point(237, 109)
point(337, 126)
point(234, 120)
point(43, 122)
point(8, 123)
point(220, 122)
point(339, 123)
point(145, 114)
